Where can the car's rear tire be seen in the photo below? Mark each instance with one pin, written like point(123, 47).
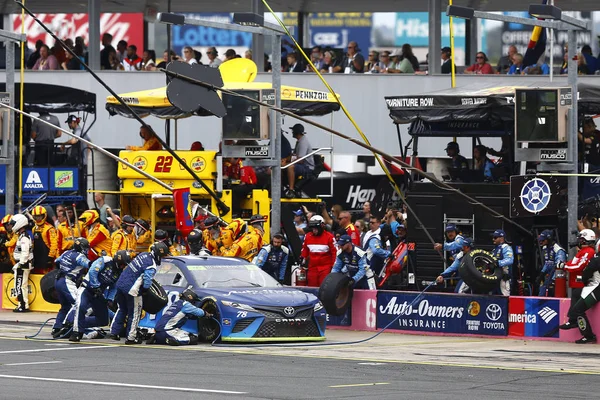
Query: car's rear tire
point(336, 293)
point(48, 287)
point(155, 298)
point(479, 269)
point(208, 328)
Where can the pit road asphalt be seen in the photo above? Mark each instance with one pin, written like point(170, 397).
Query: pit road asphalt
point(392, 366)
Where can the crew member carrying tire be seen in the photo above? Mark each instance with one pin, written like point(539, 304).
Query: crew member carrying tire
point(248, 246)
point(122, 237)
point(97, 235)
point(318, 251)
point(102, 275)
point(273, 258)
point(503, 252)
point(553, 255)
point(23, 256)
point(133, 282)
point(585, 241)
point(72, 265)
point(45, 241)
point(461, 287)
point(168, 328)
point(352, 261)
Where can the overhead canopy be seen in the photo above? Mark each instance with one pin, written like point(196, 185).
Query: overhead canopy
point(470, 111)
point(56, 99)
point(155, 102)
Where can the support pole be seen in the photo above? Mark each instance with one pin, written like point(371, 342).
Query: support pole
point(258, 41)
point(276, 136)
point(10, 167)
point(94, 34)
point(435, 36)
point(572, 135)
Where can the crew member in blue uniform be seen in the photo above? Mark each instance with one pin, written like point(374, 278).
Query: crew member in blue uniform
point(374, 245)
point(72, 265)
point(168, 328)
point(102, 275)
point(553, 255)
point(461, 287)
point(273, 258)
point(133, 282)
point(351, 261)
point(454, 241)
point(505, 256)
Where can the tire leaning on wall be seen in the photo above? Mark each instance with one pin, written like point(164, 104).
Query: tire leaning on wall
point(479, 269)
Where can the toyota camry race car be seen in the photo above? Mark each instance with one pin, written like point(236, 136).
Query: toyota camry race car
point(248, 303)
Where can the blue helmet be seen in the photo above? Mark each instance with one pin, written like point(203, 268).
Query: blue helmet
point(546, 235)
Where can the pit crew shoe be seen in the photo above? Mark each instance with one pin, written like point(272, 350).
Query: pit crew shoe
point(135, 341)
point(114, 337)
point(21, 309)
point(56, 333)
point(64, 331)
point(585, 340)
point(151, 339)
point(75, 337)
point(171, 342)
point(568, 325)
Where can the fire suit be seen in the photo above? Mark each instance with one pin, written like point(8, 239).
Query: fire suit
point(575, 267)
point(136, 278)
point(23, 255)
point(376, 253)
point(246, 247)
point(214, 245)
point(67, 235)
point(142, 242)
point(99, 239)
point(552, 255)
point(461, 287)
point(353, 264)
point(102, 275)
point(121, 240)
point(589, 297)
point(11, 245)
point(72, 266)
point(354, 234)
point(45, 246)
point(505, 256)
point(273, 261)
point(320, 251)
point(454, 247)
point(168, 327)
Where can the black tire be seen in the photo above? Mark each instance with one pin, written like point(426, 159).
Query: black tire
point(47, 285)
point(155, 298)
point(336, 293)
point(208, 328)
point(479, 269)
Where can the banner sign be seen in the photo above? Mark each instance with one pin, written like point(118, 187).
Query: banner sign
point(35, 179)
point(413, 28)
point(533, 317)
point(531, 195)
point(467, 314)
point(36, 300)
point(64, 179)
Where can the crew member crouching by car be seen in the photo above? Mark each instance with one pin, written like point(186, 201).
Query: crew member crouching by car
point(462, 287)
point(168, 328)
point(352, 261)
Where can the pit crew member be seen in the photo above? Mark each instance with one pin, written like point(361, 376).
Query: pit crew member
point(273, 258)
point(97, 235)
point(122, 238)
point(461, 287)
point(505, 256)
point(374, 245)
point(248, 246)
point(352, 261)
point(553, 255)
point(23, 255)
point(45, 241)
point(318, 251)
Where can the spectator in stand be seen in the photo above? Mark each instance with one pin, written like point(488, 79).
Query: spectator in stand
point(213, 57)
point(47, 61)
point(35, 55)
point(564, 68)
point(517, 67)
point(482, 162)
point(188, 55)
point(132, 62)
point(268, 65)
point(316, 59)
point(353, 62)
point(481, 66)
point(590, 138)
point(248, 54)
point(104, 53)
point(121, 50)
point(102, 207)
point(150, 141)
point(59, 52)
point(590, 60)
point(447, 60)
point(229, 55)
point(506, 62)
point(72, 63)
point(407, 53)
point(404, 61)
point(165, 61)
point(79, 40)
point(294, 64)
point(373, 65)
point(148, 63)
point(361, 226)
point(329, 62)
point(385, 62)
point(300, 223)
point(582, 68)
point(366, 216)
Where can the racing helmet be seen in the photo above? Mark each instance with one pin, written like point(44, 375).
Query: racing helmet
point(122, 258)
point(211, 222)
point(161, 235)
point(141, 226)
point(18, 222)
point(159, 250)
point(81, 245)
point(6, 220)
point(190, 296)
point(586, 237)
point(89, 217)
point(39, 215)
point(195, 241)
point(258, 219)
point(318, 222)
point(238, 226)
point(128, 220)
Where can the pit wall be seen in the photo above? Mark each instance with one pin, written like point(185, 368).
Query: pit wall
point(535, 318)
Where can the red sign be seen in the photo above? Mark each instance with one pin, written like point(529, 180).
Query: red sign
point(128, 27)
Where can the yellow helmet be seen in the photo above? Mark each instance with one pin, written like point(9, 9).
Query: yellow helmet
point(238, 226)
point(6, 219)
point(39, 211)
point(89, 217)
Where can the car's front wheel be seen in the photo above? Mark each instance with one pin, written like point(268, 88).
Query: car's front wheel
point(209, 329)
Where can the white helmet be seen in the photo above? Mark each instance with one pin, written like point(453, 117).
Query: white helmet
point(588, 235)
point(316, 220)
point(18, 222)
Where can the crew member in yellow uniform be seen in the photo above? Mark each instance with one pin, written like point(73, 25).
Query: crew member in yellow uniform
point(6, 235)
point(45, 241)
point(142, 236)
point(248, 246)
point(97, 235)
point(11, 244)
point(214, 237)
point(68, 231)
point(122, 238)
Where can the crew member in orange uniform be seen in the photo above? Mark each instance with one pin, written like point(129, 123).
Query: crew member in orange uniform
point(45, 241)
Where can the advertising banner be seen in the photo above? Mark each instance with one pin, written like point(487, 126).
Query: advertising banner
point(35, 179)
point(445, 313)
point(36, 301)
point(533, 317)
point(413, 28)
point(66, 179)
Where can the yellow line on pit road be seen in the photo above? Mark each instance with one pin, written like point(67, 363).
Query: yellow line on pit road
point(360, 384)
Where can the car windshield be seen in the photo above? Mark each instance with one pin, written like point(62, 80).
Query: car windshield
point(227, 276)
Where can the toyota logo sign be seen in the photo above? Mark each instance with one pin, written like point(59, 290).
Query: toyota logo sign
point(289, 311)
point(493, 312)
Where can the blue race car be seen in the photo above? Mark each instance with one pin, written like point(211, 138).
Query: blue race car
point(250, 305)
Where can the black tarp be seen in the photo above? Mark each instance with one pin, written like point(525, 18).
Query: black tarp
point(472, 109)
point(53, 98)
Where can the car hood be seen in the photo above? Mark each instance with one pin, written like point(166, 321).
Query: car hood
point(261, 296)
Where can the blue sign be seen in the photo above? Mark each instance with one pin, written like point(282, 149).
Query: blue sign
point(64, 179)
point(2, 179)
point(535, 195)
point(413, 28)
point(35, 179)
point(534, 317)
point(481, 315)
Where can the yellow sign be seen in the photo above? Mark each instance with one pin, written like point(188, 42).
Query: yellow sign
point(36, 301)
point(198, 164)
point(140, 162)
point(165, 167)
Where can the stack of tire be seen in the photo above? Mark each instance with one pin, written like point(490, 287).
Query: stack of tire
point(479, 269)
